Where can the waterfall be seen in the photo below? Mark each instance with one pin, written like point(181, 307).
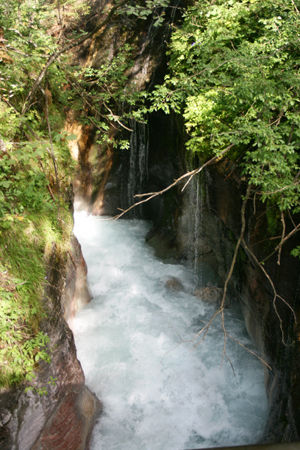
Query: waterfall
point(194, 212)
point(160, 387)
point(138, 161)
point(198, 228)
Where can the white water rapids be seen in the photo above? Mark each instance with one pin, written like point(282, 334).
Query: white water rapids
point(161, 389)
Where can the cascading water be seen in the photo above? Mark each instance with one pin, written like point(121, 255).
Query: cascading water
point(161, 388)
point(138, 162)
point(195, 200)
point(198, 230)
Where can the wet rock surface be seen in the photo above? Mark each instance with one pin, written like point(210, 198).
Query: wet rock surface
point(69, 427)
point(174, 284)
point(76, 292)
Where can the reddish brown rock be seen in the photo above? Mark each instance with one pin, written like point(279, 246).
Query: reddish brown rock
point(70, 425)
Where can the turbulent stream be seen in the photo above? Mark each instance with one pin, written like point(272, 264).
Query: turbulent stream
point(161, 387)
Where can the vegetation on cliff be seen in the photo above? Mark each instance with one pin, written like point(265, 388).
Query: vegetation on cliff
point(234, 76)
point(35, 171)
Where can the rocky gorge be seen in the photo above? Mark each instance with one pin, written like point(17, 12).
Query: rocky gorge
point(198, 226)
point(202, 224)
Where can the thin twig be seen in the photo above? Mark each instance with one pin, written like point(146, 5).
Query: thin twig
point(288, 236)
point(282, 238)
point(254, 203)
point(221, 310)
point(116, 118)
point(280, 189)
point(250, 351)
point(215, 158)
point(296, 9)
point(205, 328)
point(242, 232)
point(50, 192)
point(233, 262)
point(275, 294)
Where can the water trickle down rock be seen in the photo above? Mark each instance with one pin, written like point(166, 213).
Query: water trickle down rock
point(138, 162)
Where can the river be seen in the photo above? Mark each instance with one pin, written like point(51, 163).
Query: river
point(160, 386)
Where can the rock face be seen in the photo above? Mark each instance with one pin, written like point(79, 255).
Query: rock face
point(76, 292)
point(59, 412)
point(105, 179)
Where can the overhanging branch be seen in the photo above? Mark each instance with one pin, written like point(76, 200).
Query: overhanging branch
point(188, 175)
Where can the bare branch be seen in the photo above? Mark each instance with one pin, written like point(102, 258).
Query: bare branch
point(211, 161)
point(250, 351)
point(284, 188)
point(275, 294)
point(296, 9)
point(204, 330)
point(233, 262)
point(254, 203)
point(189, 175)
point(282, 237)
point(220, 310)
point(116, 118)
point(50, 192)
point(291, 218)
point(288, 236)
point(241, 237)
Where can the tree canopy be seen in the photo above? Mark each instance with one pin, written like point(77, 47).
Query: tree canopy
point(234, 76)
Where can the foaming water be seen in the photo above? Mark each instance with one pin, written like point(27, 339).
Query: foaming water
point(136, 343)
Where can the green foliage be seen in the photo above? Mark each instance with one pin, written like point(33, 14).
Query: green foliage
point(28, 46)
point(23, 247)
point(32, 212)
point(107, 95)
point(234, 75)
point(143, 10)
point(296, 252)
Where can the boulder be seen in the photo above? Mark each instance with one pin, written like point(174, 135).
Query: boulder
point(174, 284)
